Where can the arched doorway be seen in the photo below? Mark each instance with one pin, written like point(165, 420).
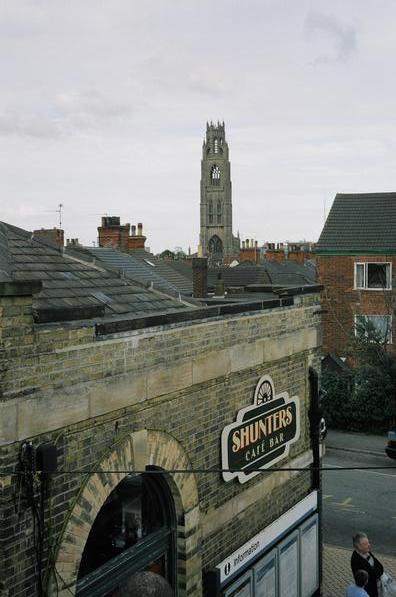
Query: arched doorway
point(134, 531)
point(215, 248)
point(141, 450)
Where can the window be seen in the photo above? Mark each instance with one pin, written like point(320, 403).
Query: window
point(215, 175)
point(377, 326)
point(134, 531)
point(219, 212)
point(210, 211)
point(216, 145)
point(216, 247)
point(373, 276)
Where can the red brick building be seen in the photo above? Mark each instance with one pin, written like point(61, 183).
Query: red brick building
point(356, 257)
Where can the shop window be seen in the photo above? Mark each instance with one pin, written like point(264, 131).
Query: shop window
point(134, 531)
point(379, 327)
point(373, 276)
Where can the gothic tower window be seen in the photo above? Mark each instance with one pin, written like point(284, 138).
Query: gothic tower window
point(215, 175)
point(216, 247)
point(210, 211)
point(219, 212)
point(216, 145)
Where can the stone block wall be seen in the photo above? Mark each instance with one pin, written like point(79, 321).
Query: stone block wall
point(88, 394)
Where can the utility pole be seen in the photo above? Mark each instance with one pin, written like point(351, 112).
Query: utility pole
point(315, 415)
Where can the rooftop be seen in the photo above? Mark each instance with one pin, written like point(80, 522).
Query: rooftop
point(363, 223)
point(71, 288)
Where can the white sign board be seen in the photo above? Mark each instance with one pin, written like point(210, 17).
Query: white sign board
point(251, 549)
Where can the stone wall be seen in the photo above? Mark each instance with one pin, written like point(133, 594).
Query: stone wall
point(187, 381)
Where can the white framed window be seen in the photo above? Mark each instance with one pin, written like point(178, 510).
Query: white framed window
point(373, 275)
point(379, 323)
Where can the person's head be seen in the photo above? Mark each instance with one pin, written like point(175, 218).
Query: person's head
point(361, 543)
point(146, 584)
point(361, 578)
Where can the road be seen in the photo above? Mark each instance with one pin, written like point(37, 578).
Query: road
point(359, 500)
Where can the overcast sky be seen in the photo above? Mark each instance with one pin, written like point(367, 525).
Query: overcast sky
point(103, 107)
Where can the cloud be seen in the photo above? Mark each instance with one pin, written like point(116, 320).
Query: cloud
point(64, 114)
point(208, 82)
point(90, 108)
point(19, 20)
point(341, 37)
point(33, 124)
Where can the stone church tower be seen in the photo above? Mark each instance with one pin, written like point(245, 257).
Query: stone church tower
point(216, 239)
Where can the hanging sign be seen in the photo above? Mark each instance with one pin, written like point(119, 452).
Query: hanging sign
point(262, 434)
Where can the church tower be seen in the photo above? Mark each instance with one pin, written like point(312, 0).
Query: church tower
point(216, 239)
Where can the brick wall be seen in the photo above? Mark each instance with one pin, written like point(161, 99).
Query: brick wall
point(341, 302)
point(86, 394)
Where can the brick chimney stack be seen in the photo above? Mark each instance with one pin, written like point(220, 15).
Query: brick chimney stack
point(113, 234)
point(200, 277)
point(53, 236)
point(136, 241)
point(249, 251)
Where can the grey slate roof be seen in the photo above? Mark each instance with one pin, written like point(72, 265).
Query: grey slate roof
point(287, 273)
point(73, 289)
point(364, 222)
point(144, 268)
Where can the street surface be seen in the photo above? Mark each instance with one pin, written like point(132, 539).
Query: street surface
point(359, 500)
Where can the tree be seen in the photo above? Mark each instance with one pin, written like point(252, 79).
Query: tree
point(365, 397)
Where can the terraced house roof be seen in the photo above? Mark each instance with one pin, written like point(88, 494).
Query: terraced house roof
point(143, 267)
point(360, 223)
point(73, 289)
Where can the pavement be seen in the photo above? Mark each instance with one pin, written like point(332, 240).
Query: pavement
point(356, 442)
point(337, 570)
point(336, 560)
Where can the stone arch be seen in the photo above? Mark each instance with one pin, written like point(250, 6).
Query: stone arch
point(135, 452)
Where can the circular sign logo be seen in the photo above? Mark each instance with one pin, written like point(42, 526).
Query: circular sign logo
point(264, 390)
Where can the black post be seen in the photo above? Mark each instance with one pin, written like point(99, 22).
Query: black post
point(316, 477)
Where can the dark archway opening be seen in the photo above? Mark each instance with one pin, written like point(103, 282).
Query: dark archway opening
point(134, 531)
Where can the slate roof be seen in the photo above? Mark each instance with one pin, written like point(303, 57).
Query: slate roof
point(144, 268)
point(73, 289)
point(363, 223)
point(287, 273)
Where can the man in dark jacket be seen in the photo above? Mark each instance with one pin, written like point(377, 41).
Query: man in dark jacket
point(363, 559)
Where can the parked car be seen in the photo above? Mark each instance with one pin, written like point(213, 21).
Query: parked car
point(391, 447)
